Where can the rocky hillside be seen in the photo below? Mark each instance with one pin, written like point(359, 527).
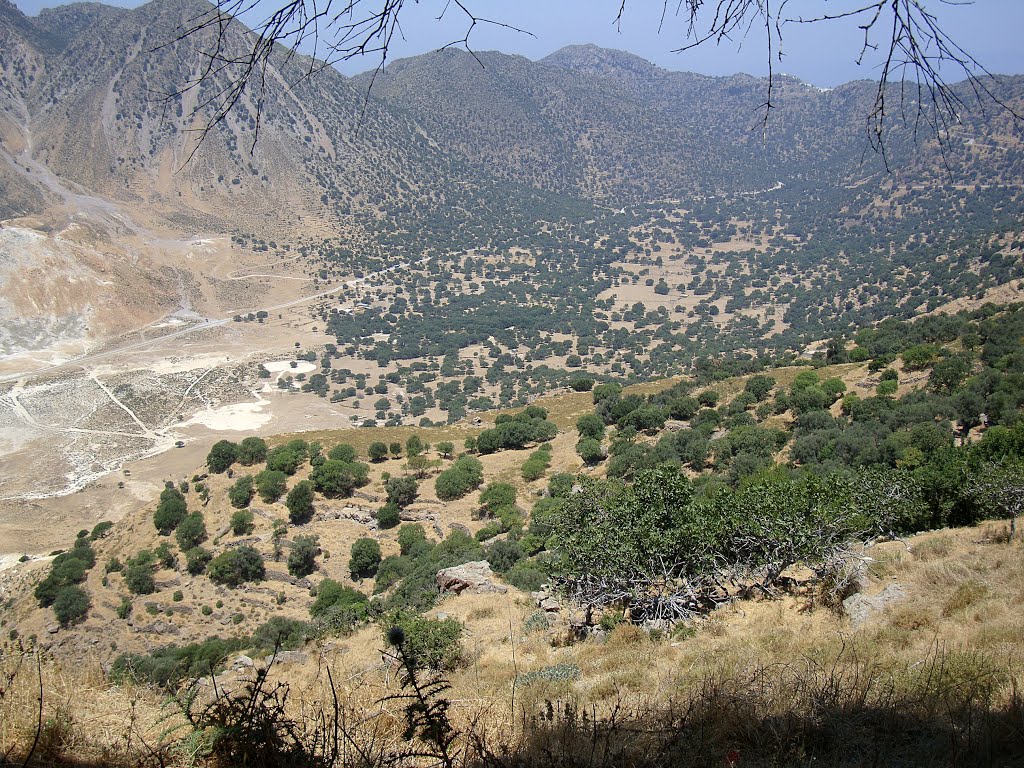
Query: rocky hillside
point(92, 94)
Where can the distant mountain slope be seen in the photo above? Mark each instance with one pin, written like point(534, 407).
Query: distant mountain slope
point(613, 127)
point(85, 93)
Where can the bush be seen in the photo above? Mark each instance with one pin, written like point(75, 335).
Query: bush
point(139, 573)
point(590, 425)
point(300, 503)
point(165, 556)
point(489, 531)
point(71, 605)
point(252, 450)
point(196, 560)
point(427, 643)
point(465, 474)
point(582, 385)
point(525, 575)
point(302, 558)
point(418, 590)
point(590, 450)
point(342, 452)
point(222, 455)
point(502, 555)
point(287, 458)
point(240, 493)
point(401, 491)
point(366, 556)
point(411, 537)
point(271, 485)
point(100, 530)
point(67, 568)
point(279, 633)
point(166, 667)
point(338, 609)
point(339, 478)
point(377, 451)
point(191, 532)
point(170, 511)
point(389, 516)
point(560, 485)
point(517, 430)
point(241, 522)
point(237, 566)
point(535, 466)
point(497, 495)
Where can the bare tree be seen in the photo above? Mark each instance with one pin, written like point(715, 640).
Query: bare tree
point(1000, 488)
point(920, 61)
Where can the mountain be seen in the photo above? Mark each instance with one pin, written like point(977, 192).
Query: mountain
point(446, 153)
point(610, 126)
point(92, 94)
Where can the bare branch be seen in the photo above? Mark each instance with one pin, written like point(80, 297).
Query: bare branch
point(918, 58)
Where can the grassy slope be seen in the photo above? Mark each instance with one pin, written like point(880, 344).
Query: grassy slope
point(771, 678)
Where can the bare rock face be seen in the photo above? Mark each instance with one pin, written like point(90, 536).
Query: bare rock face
point(474, 577)
point(859, 607)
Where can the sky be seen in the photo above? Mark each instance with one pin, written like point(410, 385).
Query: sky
point(823, 54)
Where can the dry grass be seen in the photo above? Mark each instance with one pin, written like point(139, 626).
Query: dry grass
point(937, 669)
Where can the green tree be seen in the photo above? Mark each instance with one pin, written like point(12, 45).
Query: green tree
point(170, 511)
point(240, 493)
point(140, 573)
point(590, 425)
point(271, 485)
point(377, 451)
point(401, 491)
point(196, 560)
point(339, 478)
point(302, 557)
point(446, 448)
point(999, 488)
point(237, 566)
point(342, 452)
point(71, 605)
point(365, 559)
point(222, 455)
point(413, 446)
point(590, 451)
point(241, 522)
point(465, 474)
point(411, 538)
point(300, 502)
point(191, 532)
point(389, 516)
point(252, 450)
point(286, 458)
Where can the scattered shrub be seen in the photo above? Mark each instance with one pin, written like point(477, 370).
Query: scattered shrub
point(237, 566)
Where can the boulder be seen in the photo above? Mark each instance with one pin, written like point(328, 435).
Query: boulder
point(549, 605)
point(476, 577)
point(860, 607)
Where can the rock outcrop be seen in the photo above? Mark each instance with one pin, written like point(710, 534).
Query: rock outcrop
point(476, 577)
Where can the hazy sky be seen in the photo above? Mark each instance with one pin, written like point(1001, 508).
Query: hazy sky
point(823, 54)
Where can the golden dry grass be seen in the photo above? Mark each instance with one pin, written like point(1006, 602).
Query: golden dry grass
point(957, 637)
